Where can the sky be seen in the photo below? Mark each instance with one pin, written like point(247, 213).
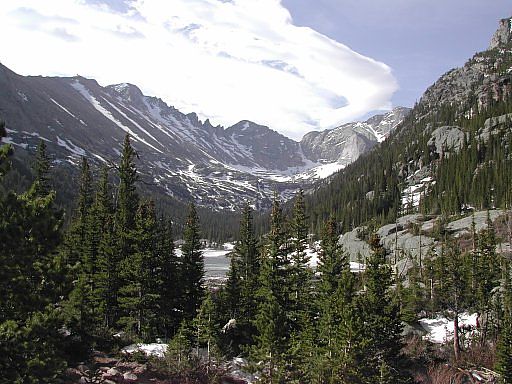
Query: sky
point(294, 65)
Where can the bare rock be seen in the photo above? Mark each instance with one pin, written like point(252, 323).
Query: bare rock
point(446, 139)
point(112, 372)
point(503, 35)
point(130, 376)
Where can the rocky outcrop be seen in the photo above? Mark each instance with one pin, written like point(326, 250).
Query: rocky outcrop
point(411, 239)
point(446, 139)
point(503, 35)
point(484, 78)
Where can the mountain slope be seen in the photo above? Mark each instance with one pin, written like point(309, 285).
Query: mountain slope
point(347, 142)
point(179, 154)
point(451, 152)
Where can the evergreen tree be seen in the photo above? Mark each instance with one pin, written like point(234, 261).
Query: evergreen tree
point(127, 198)
point(382, 327)
point(74, 248)
point(137, 297)
point(299, 309)
point(167, 279)
point(207, 327)
point(336, 324)
point(504, 346)
point(31, 347)
point(101, 247)
point(192, 262)
point(488, 273)
point(270, 322)
point(241, 288)
point(5, 150)
point(455, 287)
point(332, 261)
point(41, 169)
point(179, 350)
point(300, 273)
point(126, 208)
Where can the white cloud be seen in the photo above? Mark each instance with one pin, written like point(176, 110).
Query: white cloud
point(226, 60)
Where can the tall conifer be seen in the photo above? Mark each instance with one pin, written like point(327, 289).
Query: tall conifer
point(192, 262)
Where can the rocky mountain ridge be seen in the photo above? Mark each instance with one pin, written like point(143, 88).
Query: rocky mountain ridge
point(183, 156)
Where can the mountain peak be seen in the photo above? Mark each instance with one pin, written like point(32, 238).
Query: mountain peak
point(127, 91)
point(503, 36)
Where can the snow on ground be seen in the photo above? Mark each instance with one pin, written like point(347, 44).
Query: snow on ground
point(154, 349)
point(440, 329)
point(313, 254)
point(326, 170)
point(67, 144)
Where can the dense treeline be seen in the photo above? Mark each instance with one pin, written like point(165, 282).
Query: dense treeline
point(370, 189)
point(337, 326)
point(114, 269)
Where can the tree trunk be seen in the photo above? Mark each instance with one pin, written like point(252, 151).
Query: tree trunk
point(456, 342)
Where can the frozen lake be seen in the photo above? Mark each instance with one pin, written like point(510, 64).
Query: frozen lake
point(216, 263)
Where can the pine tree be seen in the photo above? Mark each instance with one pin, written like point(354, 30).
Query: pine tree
point(126, 208)
point(192, 262)
point(488, 272)
point(332, 260)
point(75, 242)
point(5, 150)
point(382, 323)
point(127, 198)
point(179, 350)
point(504, 346)
point(232, 291)
point(137, 299)
point(41, 168)
point(336, 324)
point(167, 278)
point(206, 328)
point(300, 273)
point(101, 243)
point(241, 288)
point(299, 309)
point(270, 322)
point(31, 348)
point(455, 287)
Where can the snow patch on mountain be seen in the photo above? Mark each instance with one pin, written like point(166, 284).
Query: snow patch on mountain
point(89, 97)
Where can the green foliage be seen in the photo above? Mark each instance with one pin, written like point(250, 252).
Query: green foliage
point(192, 262)
point(238, 299)
point(41, 184)
point(31, 349)
point(381, 334)
point(504, 346)
point(30, 342)
point(166, 279)
point(138, 296)
point(270, 322)
point(5, 150)
point(179, 350)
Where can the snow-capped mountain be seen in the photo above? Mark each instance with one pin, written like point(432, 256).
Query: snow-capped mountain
point(347, 142)
point(186, 158)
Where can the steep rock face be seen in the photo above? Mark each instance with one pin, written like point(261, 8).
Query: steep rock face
point(347, 142)
point(503, 35)
point(446, 139)
point(484, 78)
point(268, 148)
